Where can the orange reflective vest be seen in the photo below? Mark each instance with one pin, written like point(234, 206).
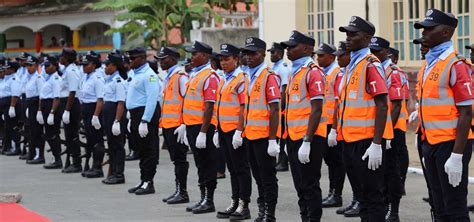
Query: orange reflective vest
point(228, 104)
point(330, 101)
point(257, 118)
point(193, 105)
point(298, 106)
point(357, 111)
point(172, 103)
point(438, 112)
point(402, 118)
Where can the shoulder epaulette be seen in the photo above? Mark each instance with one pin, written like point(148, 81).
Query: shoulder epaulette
point(118, 80)
point(372, 59)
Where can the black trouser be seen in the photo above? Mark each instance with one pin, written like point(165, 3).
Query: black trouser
point(400, 142)
point(205, 159)
point(372, 207)
point(419, 146)
point(35, 133)
point(238, 165)
point(306, 177)
point(450, 202)
point(11, 124)
point(393, 182)
point(23, 123)
point(52, 131)
point(263, 170)
point(334, 159)
point(220, 161)
point(178, 152)
point(282, 141)
point(94, 137)
point(351, 171)
point(71, 130)
point(132, 144)
point(115, 144)
point(146, 146)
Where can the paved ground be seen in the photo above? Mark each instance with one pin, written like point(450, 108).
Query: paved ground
point(72, 198)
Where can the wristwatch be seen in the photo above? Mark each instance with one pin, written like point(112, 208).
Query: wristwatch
point(307, 138)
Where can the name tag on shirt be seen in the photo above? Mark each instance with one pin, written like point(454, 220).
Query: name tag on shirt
point(352, 94)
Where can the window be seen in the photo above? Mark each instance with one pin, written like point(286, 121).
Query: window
point(321, 20)
point(398, 28)
point(330, 22)
point(463, 26)
point(414, 12)
point(311, 18)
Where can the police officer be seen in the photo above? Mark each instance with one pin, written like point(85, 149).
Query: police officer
point(171, 122)
point(142, 103)
point(445, 95)
point(471, 48)
point(282, 69)
point(306, 123)
point(363, 116)
point(70, 108)
point(333, 157)
point(49, 114)
point(9, 106)
point(2, 122)
point(33, 86)
point(23, 125)
point(91, 96)
point(261, 126)
point(230, 108)
point(114, 116)
point(132, 155)
point(200, 120)
point(395, 81)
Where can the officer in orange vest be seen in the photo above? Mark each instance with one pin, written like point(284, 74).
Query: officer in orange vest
point(306, 124)
point(261, 126)
point(333, 157)
point(363, 115)
point(171, 121)
point(445, 95)
point(395, 81)
point(471, 48)
point(200, 121)
point(230, 108)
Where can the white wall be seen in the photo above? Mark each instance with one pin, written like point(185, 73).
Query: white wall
point(343, 10)
point(279, 18)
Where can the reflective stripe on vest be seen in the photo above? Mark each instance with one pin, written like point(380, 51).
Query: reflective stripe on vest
point(228, 104)
point(193, 106)
point(298, 108)
point(330, 101)
point(172, 104)
point(438, 112)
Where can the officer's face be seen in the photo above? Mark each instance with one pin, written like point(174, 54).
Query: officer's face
point(50, 69)
point(276, 55)
point(424, 50)
point(343, 60)
point(229, 63)
point(324, 60)
point(433, 36)
point(199, 58)
point(472, 55)
point(167, 62)
point(10, 71)
point(110, 68)
point(2, 73)
point(137, 61)
point(31, 68)
point(357, 40)
point(394, 58)
point(295, 52)
point(63, 60)
point(255, 58)
point(22, 62)
point(380, 54)
point(90, 67)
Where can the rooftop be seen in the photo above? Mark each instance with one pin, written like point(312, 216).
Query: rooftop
point(47, 7)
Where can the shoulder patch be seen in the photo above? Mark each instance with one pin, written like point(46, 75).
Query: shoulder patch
point(152, 78)
point(56, 78)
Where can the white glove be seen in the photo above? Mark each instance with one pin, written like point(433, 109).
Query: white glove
point(129, 125)
point(237, 139)
point(50, 119)
point(416, 141)
point(116, 128)
point(388, 144)
point(413, 115)
point(201, 141)
point(95, 122)
point(143, 129)
point(273, 149)
point(374, 152)
point(332, 138)
point(215, 139)
point(303, 152)
point(11, 112)
point(26, 113)
point(39, 117)
point(181, 131)
point(66, 117)
point(453, 167)
point(127, 115)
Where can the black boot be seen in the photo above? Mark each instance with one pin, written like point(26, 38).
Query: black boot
point(57, 164)
point(131, 156)
point(335, 200)
point(261, 211)
point(471, 208)
point(392, 215)
point(207, 205)
point(73, 168)
point(282, 164)
point(35, 161)
point(146, 188)
point(197, 204)
point(229, 210)
point(13, 151)
point(330, 193)
point(172, 195)
point(242, 212)
point(342, 210)
point(135, 188)
point(269, 213)
point(114, 179)
point(354, 211)
point(181, 196)
point(95, 173)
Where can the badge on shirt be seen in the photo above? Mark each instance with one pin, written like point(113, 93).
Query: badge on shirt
point(152, 79)
point(352, 94)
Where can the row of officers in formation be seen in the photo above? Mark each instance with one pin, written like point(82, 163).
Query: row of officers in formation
point(350, 112)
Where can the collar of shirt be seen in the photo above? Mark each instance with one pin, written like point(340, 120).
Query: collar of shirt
point(171, 71)
point(196, 70)
point(297, 64)
point(88, 76)
point(245, 69)
point(441, 56)
point(330, 68)
point(386, 63)
point(68, 67)
point(277, 63)
point(357, 56)
point(48, 76)
point(142, 68)
point(111, 77)
point(255, 71)
point(436, 52)
point(232, 75)
point(8, 77)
